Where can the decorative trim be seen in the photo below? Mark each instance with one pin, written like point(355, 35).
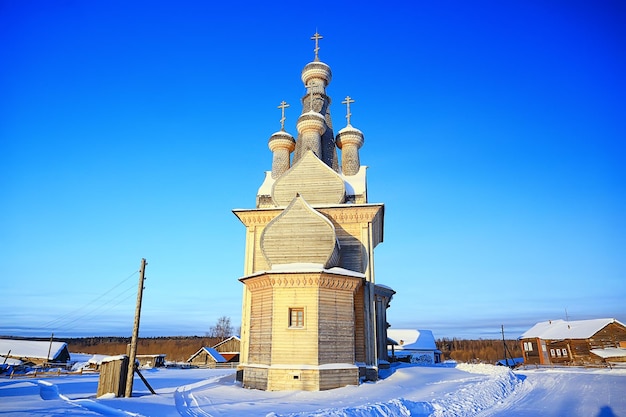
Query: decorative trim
point(315, 280)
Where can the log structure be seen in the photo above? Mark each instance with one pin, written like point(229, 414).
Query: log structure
point(313, 317)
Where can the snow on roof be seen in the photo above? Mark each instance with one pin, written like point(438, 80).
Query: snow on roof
point(31, 348)
point(561, 329)
point(227, 340)
point(215, 355)
point(412, 339)
point(609, 352)
point(301, 267)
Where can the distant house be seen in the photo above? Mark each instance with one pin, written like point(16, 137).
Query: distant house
point(151, 361)
point(206, 357)
point(415, 346)
point(229, 349)
point(574, 342)
point(35, 352)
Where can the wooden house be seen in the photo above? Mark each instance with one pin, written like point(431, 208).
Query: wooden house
point(580, 342)
point(36, 352)
point(229, 349)
point(206, 357)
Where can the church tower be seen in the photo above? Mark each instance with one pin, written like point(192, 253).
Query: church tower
point(313, 317)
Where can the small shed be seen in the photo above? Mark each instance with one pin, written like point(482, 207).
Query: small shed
point(151, 361)
point(206, 357)
point(38, 352)
point(414, 346)
point(229, 349)
point(577, 342)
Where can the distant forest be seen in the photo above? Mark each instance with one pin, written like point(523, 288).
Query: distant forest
point(179, 349)
point(482, 351)
point(176, 349)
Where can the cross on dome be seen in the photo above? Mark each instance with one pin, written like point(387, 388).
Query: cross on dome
point(316, 38)
point(347, 102)
point(283, 106)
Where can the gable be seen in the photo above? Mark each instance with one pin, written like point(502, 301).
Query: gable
point(313, 180)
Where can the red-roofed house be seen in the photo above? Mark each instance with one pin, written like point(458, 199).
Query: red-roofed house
point(576, 342)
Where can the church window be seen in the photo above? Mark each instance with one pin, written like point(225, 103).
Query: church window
point(296, 317)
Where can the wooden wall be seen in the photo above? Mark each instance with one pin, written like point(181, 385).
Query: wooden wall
point(260, 350)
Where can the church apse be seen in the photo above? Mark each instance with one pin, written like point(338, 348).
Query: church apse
point(311, 310)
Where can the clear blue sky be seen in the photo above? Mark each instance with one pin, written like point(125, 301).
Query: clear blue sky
point(494, 131)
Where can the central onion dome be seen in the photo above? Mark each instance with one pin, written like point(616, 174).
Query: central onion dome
point(316, 70)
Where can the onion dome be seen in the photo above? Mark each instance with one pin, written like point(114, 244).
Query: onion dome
point(316, 70)
point(280, 140)
point(311, 121)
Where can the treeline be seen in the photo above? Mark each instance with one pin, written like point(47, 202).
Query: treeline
point(482, 350)
point(176, 349)
point(180, 348)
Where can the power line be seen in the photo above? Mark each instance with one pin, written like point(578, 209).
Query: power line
point(69, 315)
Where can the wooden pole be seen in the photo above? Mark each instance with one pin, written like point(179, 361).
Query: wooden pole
point(49, 348)
point(133, 342)
point(504, 346)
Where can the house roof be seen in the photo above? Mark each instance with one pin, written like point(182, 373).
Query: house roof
point(226, 341)
point(561, 329)
point(217, 357)
point(31, 348)
point(609, 353)
point(412, 339)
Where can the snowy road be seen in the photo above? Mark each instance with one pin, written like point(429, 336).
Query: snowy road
point(438, 391)
point(566, 392)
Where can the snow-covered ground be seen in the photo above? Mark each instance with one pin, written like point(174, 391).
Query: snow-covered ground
point(406, 390)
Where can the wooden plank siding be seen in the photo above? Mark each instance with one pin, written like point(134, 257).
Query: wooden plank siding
point(359, 325)
point(336, 326)
point(289, 357)
point(284, 242)
point(348, 221)
point(260, 349)
point(322, 185)
point(295, 346)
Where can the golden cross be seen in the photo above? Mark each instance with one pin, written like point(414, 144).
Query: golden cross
point(347, 102)
point(283, 106)
point(316, 37)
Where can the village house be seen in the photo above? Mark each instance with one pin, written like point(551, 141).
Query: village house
point(229, 349)
point(206, 357)
point(33, 352)
point(579, 342)
point(414, 346)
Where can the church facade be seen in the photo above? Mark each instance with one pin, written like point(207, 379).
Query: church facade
point(313, 317)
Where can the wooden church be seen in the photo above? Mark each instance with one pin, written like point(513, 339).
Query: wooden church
point(313, 317)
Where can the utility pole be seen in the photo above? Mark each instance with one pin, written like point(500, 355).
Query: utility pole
point(505, 348)
point(133, 342)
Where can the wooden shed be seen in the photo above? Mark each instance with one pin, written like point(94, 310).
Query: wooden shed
point(206, 357)
point(578, 342)
point(151, 361)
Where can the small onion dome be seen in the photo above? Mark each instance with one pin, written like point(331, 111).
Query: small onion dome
point(316, 70)
point(311, 120)
point(281, 139)
point(349, 136)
